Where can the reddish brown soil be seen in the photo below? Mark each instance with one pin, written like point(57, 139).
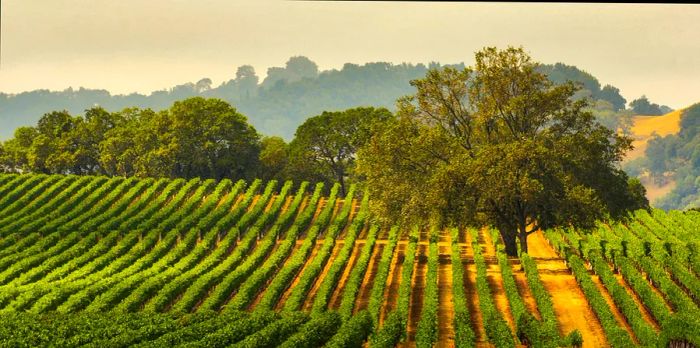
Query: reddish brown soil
point(260, 294)
point(446, 312)
point(570, 304)
point(368, 282)
point(471, 293)
point(253, 202)
point(417, 289)
point(309, 260)
point(495, 279)
point(337, 296)
point(642, 308)
point(613, 308)
point(524, 288)
point(309, 302)
point(392, 289)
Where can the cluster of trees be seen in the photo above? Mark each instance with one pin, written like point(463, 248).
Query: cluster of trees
point(499, 143)
point(675, 157)
point(195, 137)
point(279, 103)
point(275, 105)
point(643, 106)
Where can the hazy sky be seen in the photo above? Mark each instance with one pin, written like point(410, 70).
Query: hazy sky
point(136, 45)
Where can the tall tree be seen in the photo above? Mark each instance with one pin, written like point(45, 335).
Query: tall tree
point(612, 94)
point(642, 106)
point(273, 158)
point(207, 138)
point(498, 144)
point(325, 146)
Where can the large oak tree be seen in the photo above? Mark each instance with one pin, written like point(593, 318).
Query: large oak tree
point(498, 144)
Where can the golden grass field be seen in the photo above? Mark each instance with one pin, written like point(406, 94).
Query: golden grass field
point(643, 128)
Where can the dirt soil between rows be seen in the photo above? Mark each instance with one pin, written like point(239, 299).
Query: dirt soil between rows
point(570, 305)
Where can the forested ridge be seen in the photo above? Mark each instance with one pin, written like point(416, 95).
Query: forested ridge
point(287, 96)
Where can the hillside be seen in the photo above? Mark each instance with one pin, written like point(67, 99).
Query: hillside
point(278, 104)
point(167, 255)
point(644, 126)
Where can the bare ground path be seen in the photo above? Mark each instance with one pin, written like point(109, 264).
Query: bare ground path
point(570, 305)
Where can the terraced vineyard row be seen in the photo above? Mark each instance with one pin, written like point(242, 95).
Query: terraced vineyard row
point(157, 262)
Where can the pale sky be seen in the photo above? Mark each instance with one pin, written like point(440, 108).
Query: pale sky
point(139, 46)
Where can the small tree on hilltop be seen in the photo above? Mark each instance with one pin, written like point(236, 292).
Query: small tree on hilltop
point(497, 144)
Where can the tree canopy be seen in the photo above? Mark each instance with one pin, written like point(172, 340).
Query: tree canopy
point(278, 104)
point(499, 144)
point(325, 146)
point(196, 137)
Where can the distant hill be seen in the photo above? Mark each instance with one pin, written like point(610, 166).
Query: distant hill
point(666, 157)
point(643, 127)
point(287, 96)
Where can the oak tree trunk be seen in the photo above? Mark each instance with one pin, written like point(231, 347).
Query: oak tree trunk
point(510, 240)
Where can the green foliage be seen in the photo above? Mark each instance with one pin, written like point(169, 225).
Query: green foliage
point(427, 331)
point(325, 146)
point(332, 276)
point(464, 335)
point(195, 137)
point(644, 332)
point(616, 335)
point(376, 297)
point(682, 328)
point(353, 332)
point(315, 332)
point(394, 327)
point(642, 106)
point(275, 334)
point(273, 157)
point(496, 327)
point(497, 144)
point(357, 275)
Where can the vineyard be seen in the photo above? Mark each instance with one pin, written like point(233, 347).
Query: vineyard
point(96, 261)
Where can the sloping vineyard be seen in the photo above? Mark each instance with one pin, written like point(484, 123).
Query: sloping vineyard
point(95, 261)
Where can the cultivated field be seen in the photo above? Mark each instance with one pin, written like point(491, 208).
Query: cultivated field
point(157, 262)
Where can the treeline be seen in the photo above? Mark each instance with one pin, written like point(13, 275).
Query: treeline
point(288, 95)
point(675, 157)
point(195, 137)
